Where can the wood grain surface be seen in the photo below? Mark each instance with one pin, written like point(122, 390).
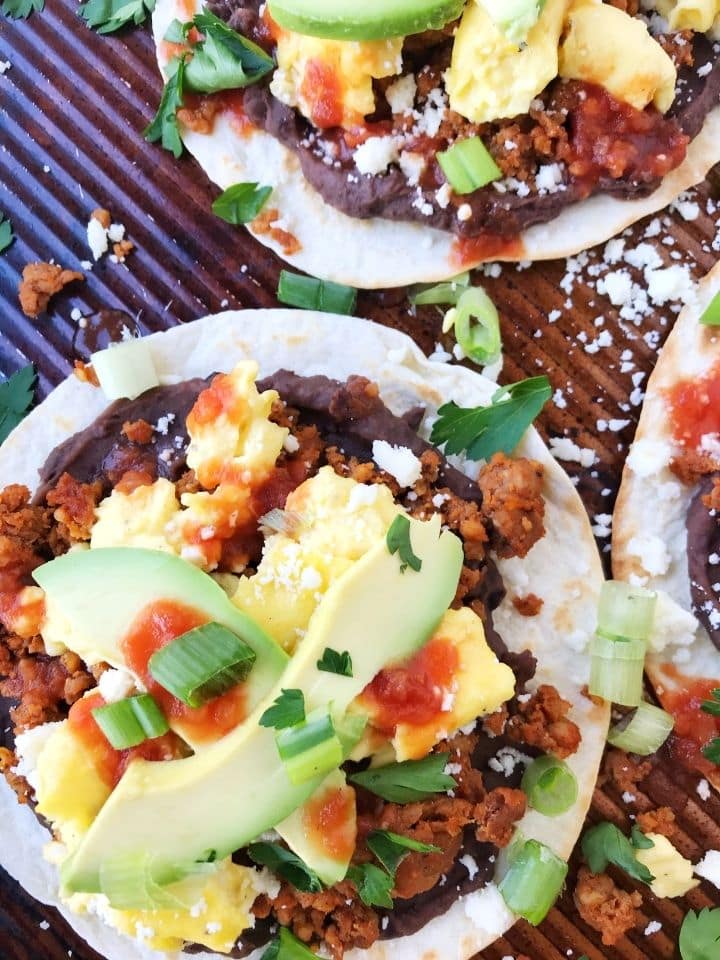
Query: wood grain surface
point(72, 108)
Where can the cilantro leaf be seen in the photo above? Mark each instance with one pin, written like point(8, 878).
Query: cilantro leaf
point(6, 233)
point(16, 395)
point(288, 710)
point(334, 662)
point(164, 126)
point(392, 848)
point(604, 844)
point(287, 947)
point(712, 706)
point(224, 59)
point(408, 781)
point(398, 541)
point(107, 16)
point(639, 840)
point(177, 32)
point(21, 9)
point(482, 431)
point(712, 751)
point(373, 885)
point(700, 935)
point(241, 203)
point(285, 864)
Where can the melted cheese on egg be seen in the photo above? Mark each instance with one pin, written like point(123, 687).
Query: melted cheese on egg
point(339, 521)
point(492, 77)
point(606, 46)
point(330, 81)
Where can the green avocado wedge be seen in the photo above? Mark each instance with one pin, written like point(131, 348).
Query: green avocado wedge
point(92, 598)
point(217, 801)
point(368, 20)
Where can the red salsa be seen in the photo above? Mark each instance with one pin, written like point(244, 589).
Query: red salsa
point(321, 89)
point(694, 729)
point(695, 408)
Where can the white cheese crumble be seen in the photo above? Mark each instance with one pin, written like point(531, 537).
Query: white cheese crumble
point(399, 462)
point(291, 444)
point(4, 66)
point(672, 624)
point(401, 94)
point(653, 927)
point(376, 154)
point(563, 448)
point(703, 790)
point(115, 685)
point(652, 552)
point(97, 238)
point(709, 867)
point(470, 865)
point(647, 457)
point(412, 165)
point(362, 495)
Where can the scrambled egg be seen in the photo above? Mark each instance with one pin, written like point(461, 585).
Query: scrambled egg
point(606, 46)
point(338, 521)
point(480, 685)
point(492, 77)
point(137, 519)
point(673, 873)
point(331, 80)
point(231, 438)
point(700, 15)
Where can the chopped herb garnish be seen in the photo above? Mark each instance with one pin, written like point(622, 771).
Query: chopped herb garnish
point(392, 848)
point(479, 432)
point(334, 662)
point(288, 710)
point(6, 233)
point(398, 541)
point(241, 203)
point(164, 126)
point(16, 395)
point(700, 935)
point(712, 706)
point(639, 840)
point(604, 844)
point(224, 59)
point(21, 9)
point(712, 751)
point(107, 16)
point(408, 781)
point(286, 864)
point(287, 947)
point(373, 885)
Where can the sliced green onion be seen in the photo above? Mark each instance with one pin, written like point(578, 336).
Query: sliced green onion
point(309, 293)
point(202, 664)
point(711, 314)
point(533, 881)
point(128, 723)
point(125, 370)
point(550, 786)
point(477, 326)
point(131, 882)
point(468, 165)
point(616, 670)
point(442, 293)
point(643, 732)
point(310, 748)
point(625, 612)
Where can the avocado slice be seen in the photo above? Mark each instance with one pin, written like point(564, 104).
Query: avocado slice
point(371, 20)
point(221, 799)
point(92, 598)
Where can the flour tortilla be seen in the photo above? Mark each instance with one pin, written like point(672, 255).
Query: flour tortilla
point(378, 253)
point(563, 568)
point(649, 519)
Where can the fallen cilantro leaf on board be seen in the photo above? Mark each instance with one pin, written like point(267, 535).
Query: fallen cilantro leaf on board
point(398, 541)
point(334, 662)
point(373, 884)
point(16, 395)
point(6, 234)
point(21, 9)
point(604, 844)
point(164, 126)
point(700, 935)
point(287, 710)
point(479, 432)
point(241, 203)
point(107, 16)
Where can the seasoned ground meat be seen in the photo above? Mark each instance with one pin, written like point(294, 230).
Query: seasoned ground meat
point(138, 431)
point(529, 605)
point(624, 770)
point(40, 282)
point(75, 505)
point(513, 504)
point(660, 820)
point(605, 907)
point(692, 465)
point(542, 722)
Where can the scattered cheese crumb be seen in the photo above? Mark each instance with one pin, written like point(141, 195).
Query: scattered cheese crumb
point(709, 867)
point(563, 448)
point(399, 462)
